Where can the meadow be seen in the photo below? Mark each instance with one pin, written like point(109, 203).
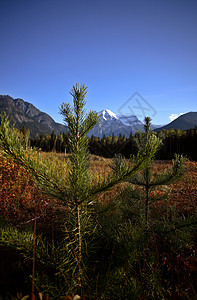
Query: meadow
point(122, 257)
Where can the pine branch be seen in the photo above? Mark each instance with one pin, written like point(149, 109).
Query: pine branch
point(123, 171)
point(28, 158)
point(170, 176)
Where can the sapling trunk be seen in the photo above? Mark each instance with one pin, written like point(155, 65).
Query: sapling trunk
point(80, 253)
point(79, 232)
point(34, 256)
point(147, 188)
point(147, 204)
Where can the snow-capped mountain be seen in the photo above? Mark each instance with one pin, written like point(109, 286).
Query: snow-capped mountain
point(110, 123)
point(107, 114)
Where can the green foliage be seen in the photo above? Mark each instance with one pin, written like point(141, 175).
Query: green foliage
point(79, 124)
point(133, 261)
point(146, 179)
point(54, 262)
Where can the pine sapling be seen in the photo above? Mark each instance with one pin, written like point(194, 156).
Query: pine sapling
point(146, 178)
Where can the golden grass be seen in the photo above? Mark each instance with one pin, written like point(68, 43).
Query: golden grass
point(182, 194)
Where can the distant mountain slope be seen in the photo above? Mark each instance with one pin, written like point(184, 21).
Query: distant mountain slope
point(24, 113)
point(184, 122)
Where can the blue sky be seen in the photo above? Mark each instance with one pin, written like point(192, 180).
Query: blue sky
point(116, 48)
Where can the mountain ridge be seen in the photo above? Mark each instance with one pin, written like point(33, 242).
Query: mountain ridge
point(24, 113)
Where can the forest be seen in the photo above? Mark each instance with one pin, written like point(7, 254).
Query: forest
point(174, 141)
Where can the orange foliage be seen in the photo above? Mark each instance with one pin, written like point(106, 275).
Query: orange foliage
point(19, 195)
point(184, 192)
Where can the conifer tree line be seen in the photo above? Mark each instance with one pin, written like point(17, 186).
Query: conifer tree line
point(174, 141)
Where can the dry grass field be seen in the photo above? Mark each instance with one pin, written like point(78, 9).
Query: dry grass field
point(18, 192)
point(19, 197)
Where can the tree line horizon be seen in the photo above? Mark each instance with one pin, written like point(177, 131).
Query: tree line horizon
point(174, 141)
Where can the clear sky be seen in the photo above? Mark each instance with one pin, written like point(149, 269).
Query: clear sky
point(116, 48)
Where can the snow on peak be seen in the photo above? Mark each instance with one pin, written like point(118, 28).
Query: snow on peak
point(108, 114)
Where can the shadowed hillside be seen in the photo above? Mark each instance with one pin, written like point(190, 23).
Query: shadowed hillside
point(184, 122)
point(25, 114)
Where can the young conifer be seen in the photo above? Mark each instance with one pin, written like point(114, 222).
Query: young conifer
point(146, 178)
point(79, 180)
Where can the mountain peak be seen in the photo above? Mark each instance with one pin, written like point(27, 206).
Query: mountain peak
point(110, 123)
point(107, 114)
